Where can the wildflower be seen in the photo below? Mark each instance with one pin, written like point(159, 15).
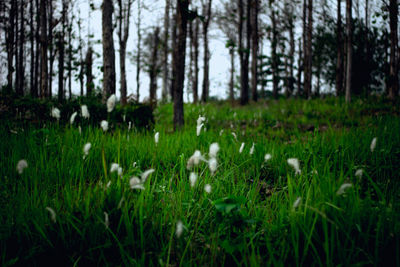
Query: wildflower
point(104, 125)
point(359, 173)
point(221, 132)
point(106, 220)
point(234, 135)
point(212, 164)
point(200, 120)
point(193, 179)
point(72, 119)
point(207, 188)
point(156, 137)
point(52, 214)
point(373, 144)
point(86, 148)
point(198, 128)
point(296, 202)
point(116, 168)
point(194, 160)
point(214, 148)
point(21, 165)
point(241, 148)
point(85, 112)
point(80, 129)
point(267, 157)
point(343, 188)
point(120, 202)
point(129, 126)
point(179, 229)
point(295, 164)
point(134, 164)
point(55, 113)
point(136, 183)
point(146, 174)
point(111, 103)
point(252, 149)
point(108, 184)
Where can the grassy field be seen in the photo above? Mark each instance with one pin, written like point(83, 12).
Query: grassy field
point(67, 208)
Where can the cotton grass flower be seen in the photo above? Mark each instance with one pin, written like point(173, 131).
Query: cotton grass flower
point(343, 188)
point(241, 148)
point(252, 149)
point(85, 112)
point(111, 103)
point(136, 183)
point(179, 229)
point(207, 188)
point(73, 116)
point(295, 164)
point(296, 203)
point(193, 179)
point(373, 144)
point(267, 157)
point(21, 166)
point(156, 137)
point(106, 220)
point(195, 159)
point(55, 113)
point(214, 148)
point(116, 168)
point(200, 120)
point(146, 174)
point(212, 164)
point(86, 148)
point(234, 135)
point(198, 129)
point(52, 214)
point(104, 125)
point(359, 173)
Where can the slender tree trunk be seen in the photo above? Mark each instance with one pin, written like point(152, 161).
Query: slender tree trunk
point(349, 51)
point(164, 93)
point(243, 55)
point(206, 54)
point(254, 59)
point(232, 79)
point(108, 49)
point(21, 69)
point(191, 62)
point(308, 76)
point(139, 50)
point(51, 50)
point(174, 37)
point(339, 44)
point(37, 54)
point(300, 65)
point(274, 57)
point(61, 55)
point(245, 95)
point(196, 62)
point(179, 54)
point(291, 53)
point(43, 49)
point(154, 67)
point(10, 44)
point(32, 66)
point(393, 75)
point(16, 49)
point(89, 76)
point(69, 64)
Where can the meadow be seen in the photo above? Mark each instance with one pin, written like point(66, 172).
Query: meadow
point(291, 182)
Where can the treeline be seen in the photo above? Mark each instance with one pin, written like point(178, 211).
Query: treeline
point(310, 46)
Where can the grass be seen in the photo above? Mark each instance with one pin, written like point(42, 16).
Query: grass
point(247, 219)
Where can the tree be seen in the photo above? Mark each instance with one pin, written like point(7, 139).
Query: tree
point(243, 54)
point(20, 65)
point(206, 6)
point(153, 43)
point(43, 49)
point(340, 59)
point(393, 75)
point(61, 39)
point(254, 49)
point(349, 50)
point(179, 62)
point(308, 50)
point(10, 42)
point(164, 93)
point(123, 33)
point(108, 49)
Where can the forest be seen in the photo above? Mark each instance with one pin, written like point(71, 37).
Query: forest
point(199, 132)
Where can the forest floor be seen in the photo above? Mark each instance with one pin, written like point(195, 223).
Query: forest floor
point(250, 205)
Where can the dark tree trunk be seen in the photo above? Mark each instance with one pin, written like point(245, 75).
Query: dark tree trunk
point(43, 49)
point(291, 53)
point(51, 50)
point(393, 75)
point(254, 50)
point(154, 67)
point(308, 69)
point(37, 54)
point(139, 51)
point(10, 45)
point(274, 57)
point(232, 78)
point(206, 54)
point(16, 48)
point(349, 50)
point(69, 64)
point(61, 55)
point(196, 62)
point(108, 50)
point(164, 93)
point(300, 65)
point(244, 64)
point(88, 66)
point(179, 68)
point(32, 66)
point(174, 34)
point(339, 43)
point(21, 69)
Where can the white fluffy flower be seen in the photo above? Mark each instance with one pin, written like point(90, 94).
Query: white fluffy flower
point(55, 113)
point(207, 188)
point(111, 102)
point(241, 148)
point(52, 214)
point(214, 148)
point(136, 183)
point(295, 164)
point(85, 112)
point(114, 167)
point(156, 137)
point(198, 128)
point(252, 149)
point(146, 174)
point(296, 202)
point(73, 116)
point(195, 159)
point(104, 125)
point(234, 135)
point(359, 173)
point(193, 179)
point(212, 164)
point(373, 144)
point(221, 132)
point(343, 188)
point(86, 148)
point(267, 157)
point(179, 229)
point(106, 220)
point(21, 166)
point(200, 120)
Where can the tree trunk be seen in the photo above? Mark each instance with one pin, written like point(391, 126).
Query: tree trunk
point(37, 58)
point(21, 69)
point(274, 57)
point(254, 51)
point(69, 64)
point(16, 50)
point(108, 50)
point(244, 65)
point(232, 79)
point(393, 75)
point(179, 69)
point(10, 41)
point(154, 67)
point(196, 62)
point(291, 52)
point(174, 34)
point(139, 51)
point(349, 50)
point(339, 43)
point(308, 70)
point(89, 76)
point(206, 54)
point(51, 50)
point(164, 92)
point(43, 49)
point(300, 65)
point(32, 66)
point(61, 39)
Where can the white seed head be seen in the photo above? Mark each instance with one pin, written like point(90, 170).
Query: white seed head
point(85, 112)
point(136, 183)
point(86, 148)
point(104, 125)
point(252, 149)
point(156, 137)
point(129, 126)
point(343, 188)
point(200, 120)
point(267, 157)
point(234, 135)
point(21, 166)
point(52, 214)
point(179, 229)
point(193, 179)
point(111, 102)
point(359, 173)
point(106, 220)
point(114, 167)
point(373, 144)
point(120, 171)
point(207, 188)
point(195, 159)
point(296, 202)
point(73, 116)
point(198, 128)
point(214, 148)
point(295, 164)
point(221, 132)
point(146, 174)
point(212, 164)
point(241, 148)
point(55, 113)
